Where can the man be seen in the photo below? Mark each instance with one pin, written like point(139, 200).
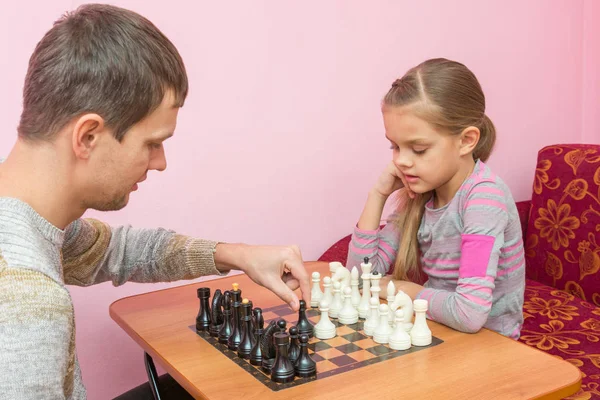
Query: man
point(101, 95)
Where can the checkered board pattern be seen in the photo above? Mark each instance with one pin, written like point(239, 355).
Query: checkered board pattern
point(349, 350)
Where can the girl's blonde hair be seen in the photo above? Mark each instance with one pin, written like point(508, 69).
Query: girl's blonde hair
point(447, 95)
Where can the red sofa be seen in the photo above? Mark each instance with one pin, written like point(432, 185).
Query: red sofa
point(561, 232)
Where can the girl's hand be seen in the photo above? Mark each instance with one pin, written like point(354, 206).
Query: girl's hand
point(390, 180)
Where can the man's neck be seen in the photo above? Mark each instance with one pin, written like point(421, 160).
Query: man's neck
point(34, 174)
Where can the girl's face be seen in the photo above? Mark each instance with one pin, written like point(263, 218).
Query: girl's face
point(428, 158)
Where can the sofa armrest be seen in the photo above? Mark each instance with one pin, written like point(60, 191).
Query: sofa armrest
point(524, 207)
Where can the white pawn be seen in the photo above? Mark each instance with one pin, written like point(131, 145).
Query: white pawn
point(315, 294)
point(399, 339)
point(348, 314)
point(354, 286)
point(373, 318)
point(336, 304)
point(325, 329)
point(404, 301)
point(327, 295)
point(363, 307)
point(382, 332)
point(420, 333)
point(375, 289)
point(391, 289)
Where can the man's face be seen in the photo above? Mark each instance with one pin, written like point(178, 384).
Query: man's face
point(116, 168)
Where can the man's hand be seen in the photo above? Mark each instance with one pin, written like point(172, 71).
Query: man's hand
point(278, 268)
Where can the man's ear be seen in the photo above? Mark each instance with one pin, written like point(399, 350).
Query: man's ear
point(469, 138)
point(86, 133)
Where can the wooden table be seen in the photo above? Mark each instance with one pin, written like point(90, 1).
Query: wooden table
point(485, 365)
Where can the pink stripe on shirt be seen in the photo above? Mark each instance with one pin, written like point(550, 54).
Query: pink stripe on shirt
point(486, 202)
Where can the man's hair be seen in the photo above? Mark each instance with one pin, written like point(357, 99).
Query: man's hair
point(99, 59)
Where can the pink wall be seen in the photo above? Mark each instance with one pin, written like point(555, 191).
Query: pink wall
point(281, 136)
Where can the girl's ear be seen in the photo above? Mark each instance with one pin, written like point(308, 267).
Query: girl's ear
point(469, 138)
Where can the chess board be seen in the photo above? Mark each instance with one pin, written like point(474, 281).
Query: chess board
point(350, 349)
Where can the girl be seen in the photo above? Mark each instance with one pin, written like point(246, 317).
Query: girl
point(456, 221)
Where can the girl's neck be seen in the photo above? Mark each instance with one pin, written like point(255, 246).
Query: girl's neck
point(445, 193)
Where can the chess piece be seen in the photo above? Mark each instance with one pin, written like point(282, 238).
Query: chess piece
point(327, 294)
point(375, 289)
point(399, 339)
point(315, 294)
point(294, 349)
point(236, 331)
point(336, 304)
point(283, 369)
point(348, 314)
point(203, 317)
point(281, 325)
point(305, 327)
point(305, 366)
point(420, 334)
point(256, 353)
point(341, 275)
point(373, 318)
point(236, 296)
point(226, 328)
point(354, 287)
point(325, 329)
point(382, 332)
point(216, 316)
point(404, 301)
point(267, 347)
point(391, 296)
point(247, 340)
point(364, 307)
point(334, 265)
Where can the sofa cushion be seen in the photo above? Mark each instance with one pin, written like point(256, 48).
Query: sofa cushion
point(567, 327)
point(563, 239)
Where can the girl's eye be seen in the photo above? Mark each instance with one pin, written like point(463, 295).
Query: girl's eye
point(419, 152)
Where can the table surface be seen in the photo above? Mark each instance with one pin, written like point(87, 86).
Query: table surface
point(466, 366)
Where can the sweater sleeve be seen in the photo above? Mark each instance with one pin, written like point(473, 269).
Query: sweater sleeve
point(94, 252)
point(485, 218)
point(380, 246)
point(37, 337)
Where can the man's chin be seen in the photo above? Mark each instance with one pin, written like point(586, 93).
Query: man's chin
point(114, 205)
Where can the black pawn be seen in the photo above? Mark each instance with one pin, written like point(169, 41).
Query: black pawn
point(248, 341)
point(203, 317)
point(305, 366)
point(226, 328)
point(256, 355)
point(283, 369)
point(216, 316)
point(281, 324)
point(305, 327)
point(236, 329)
point(294, 350)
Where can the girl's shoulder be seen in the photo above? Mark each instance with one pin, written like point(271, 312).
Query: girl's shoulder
point(485, 186)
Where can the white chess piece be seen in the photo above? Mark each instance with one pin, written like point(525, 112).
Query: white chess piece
point(405, 302)
point(354, 286)
point(327, 294)
point(399, 339)
point(348, 314)
point(336, 304)
point(373, 318)
point(341, 275)
point(315, 294)
point(334, 265)
point(375, 289)
point(391, 290)
point(325, 329)
point(363, 307)
point(420, 333)
point(382, 332)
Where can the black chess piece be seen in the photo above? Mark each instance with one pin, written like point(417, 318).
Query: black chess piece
point(203, 317)
point(267, 347)
point(294, 350)
point(305, 366)
point(305, 327)
point(248, 341)
point(236, 330)
point(256, 355)
point(281, 324)
point(226, 328)
point(216, 317)
point(283, 370)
